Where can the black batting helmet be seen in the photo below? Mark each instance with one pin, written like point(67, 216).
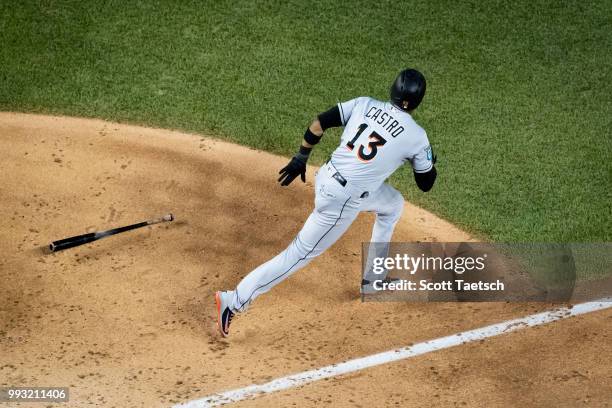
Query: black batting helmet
point(408, 89)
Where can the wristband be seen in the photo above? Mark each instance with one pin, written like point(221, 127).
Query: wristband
point(303, 153)
point(311, 138)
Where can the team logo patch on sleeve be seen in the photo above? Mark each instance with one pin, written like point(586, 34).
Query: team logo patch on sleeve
point(429, 153)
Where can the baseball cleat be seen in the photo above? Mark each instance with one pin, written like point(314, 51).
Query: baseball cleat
point(224, 311)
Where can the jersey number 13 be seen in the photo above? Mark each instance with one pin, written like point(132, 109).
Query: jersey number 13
point(374, 141)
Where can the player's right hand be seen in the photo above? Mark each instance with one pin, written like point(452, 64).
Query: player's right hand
point(288, 173)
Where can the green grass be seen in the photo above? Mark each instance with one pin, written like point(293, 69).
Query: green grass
point(518, 106)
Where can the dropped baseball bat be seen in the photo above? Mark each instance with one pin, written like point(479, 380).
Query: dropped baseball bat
point(94, 236)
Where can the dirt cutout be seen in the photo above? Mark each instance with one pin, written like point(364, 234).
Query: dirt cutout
point(129, 321)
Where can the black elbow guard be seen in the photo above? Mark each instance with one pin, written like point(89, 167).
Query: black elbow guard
point(425, 181)
point(330, 118)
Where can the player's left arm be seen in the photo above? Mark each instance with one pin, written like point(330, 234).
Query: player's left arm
point(297, 166)
point(425, 181)
point(424, 169)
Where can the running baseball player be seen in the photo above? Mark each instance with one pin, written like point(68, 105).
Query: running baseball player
point(378, 138)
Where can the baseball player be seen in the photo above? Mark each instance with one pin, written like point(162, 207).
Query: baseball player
point(378, 138)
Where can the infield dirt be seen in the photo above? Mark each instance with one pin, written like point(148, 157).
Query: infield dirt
point(129, 320)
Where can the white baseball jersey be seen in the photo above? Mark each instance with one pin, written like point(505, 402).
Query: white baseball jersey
point(377, 139)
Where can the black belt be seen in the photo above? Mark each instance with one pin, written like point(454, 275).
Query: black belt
point(340, 179)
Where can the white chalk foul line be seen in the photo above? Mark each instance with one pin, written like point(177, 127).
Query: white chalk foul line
point(296, 380)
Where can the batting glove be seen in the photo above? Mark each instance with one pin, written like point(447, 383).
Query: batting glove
point(297, 166)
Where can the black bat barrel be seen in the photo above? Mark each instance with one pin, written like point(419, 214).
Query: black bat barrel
point(72, 242)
